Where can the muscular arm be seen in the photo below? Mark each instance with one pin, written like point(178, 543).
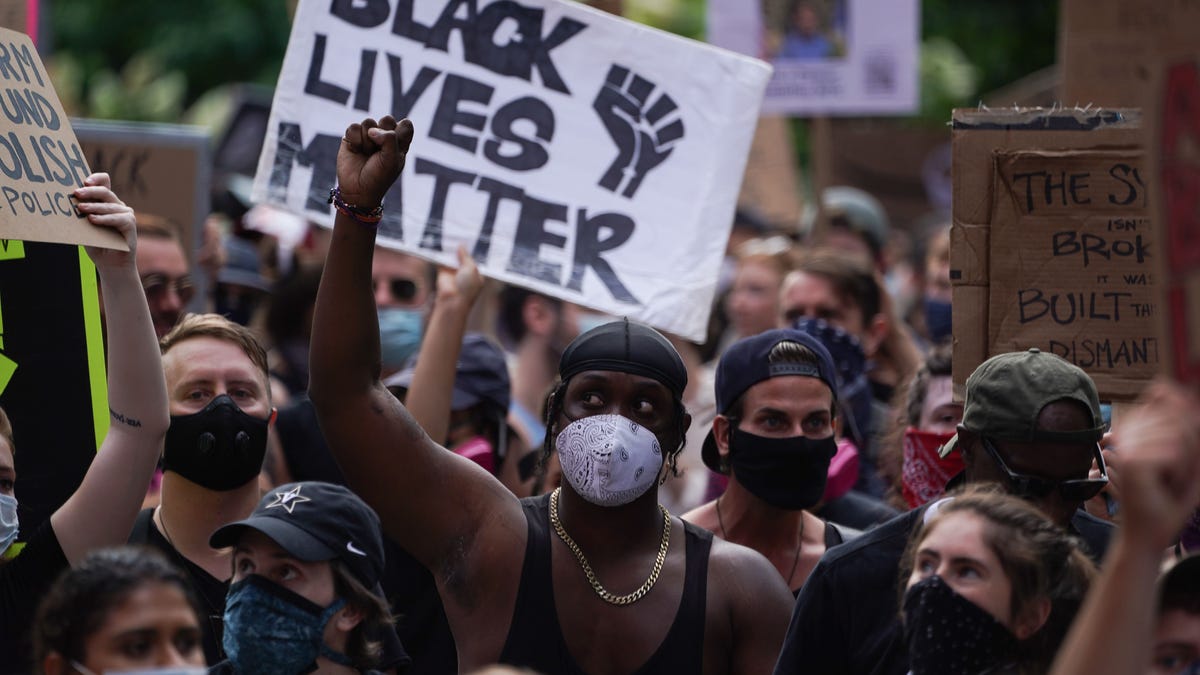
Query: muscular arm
point(432, 390)
point(102, 510)
point(759, 605)
point(438, 505)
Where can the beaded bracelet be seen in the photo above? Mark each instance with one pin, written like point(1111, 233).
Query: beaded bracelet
point(370, 217)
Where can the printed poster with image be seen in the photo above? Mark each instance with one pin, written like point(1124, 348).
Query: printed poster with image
point(570, 151)
point(831, 57)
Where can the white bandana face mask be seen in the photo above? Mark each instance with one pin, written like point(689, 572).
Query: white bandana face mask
point(609, 460)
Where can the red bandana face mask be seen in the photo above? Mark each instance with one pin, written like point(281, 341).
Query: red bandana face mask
point(925, 474)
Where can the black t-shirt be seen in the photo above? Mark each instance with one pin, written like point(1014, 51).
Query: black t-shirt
point(847, 617)
point(857, 510)
point(23, 584)
point(210, 590)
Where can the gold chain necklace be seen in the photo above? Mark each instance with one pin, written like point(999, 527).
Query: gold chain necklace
point(603, 592)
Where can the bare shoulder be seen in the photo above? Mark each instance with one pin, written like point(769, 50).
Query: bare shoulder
point(752, 608)
point(745, 576)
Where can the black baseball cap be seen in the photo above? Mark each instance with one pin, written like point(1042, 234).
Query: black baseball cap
point(316, 522)
point(481, 375)
point(625, 346)
point(746, 363)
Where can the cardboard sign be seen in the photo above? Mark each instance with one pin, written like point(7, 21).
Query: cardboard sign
point(16, 14)
point(162, 169)
point(570, 151)
point(52, 381)
point(1072, 264)
point(1053, 245)
point(1172, 137)
point(831, 57)
point(41, 163)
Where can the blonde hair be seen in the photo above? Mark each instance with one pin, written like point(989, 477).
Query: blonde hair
point(217, 326)
point(150, 226)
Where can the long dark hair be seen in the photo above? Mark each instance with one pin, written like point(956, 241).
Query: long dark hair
point(78, 603)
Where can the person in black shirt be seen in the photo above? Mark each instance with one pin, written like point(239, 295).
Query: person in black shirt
point(774, 436)
point(620, 584)
point(102, 509)
point(220, 402)
point(1031, 423)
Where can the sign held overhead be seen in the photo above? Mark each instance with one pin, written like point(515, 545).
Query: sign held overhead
point(570, 151)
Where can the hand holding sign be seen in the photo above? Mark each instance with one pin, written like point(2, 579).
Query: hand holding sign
point(103, 208)
point(645, 134)
point(371, 158)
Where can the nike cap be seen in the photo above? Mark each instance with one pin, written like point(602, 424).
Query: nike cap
point(316, 522)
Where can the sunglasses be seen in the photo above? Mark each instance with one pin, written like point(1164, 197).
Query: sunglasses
point(404, 290)
point(1074, 490)
point(156, 285)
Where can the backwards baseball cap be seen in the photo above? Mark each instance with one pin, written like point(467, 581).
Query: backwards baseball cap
point(481, 375)
point(316, 522)
point(1007, 392)
point(746, 363)
point(625, 347)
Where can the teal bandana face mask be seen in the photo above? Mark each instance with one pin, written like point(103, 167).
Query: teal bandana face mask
point(399, 335)
point(270, 630)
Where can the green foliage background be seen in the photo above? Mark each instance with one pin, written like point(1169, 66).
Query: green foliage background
point(153, 59)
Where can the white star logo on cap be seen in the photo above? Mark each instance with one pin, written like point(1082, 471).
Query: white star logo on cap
point(288, 500)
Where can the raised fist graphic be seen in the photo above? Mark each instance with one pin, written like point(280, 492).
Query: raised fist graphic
point(645, 132)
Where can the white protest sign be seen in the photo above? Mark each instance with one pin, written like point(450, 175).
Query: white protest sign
point(831, 57)
point(570, 151)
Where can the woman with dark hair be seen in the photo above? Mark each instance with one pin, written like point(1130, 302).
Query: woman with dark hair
point(122, 609)
point(989, 585)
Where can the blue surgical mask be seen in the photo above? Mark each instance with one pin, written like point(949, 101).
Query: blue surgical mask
point(937, 319)
point(8, 522)
point(399, 334)
point(174, 670)
point(270, 630)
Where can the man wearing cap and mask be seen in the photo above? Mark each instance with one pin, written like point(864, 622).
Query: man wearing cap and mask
point(1031, 424)
point(305, 596)
point(774, 437)
point(594, 577)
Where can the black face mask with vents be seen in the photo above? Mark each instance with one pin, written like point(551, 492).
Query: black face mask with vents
point(220, 448)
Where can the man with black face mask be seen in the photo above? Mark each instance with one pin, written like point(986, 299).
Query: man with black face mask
point(220, 405)
point(774, 437)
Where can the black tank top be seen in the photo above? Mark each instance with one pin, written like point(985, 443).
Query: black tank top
point(535, 639)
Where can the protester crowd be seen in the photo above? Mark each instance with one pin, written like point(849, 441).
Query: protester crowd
point(350, 460)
